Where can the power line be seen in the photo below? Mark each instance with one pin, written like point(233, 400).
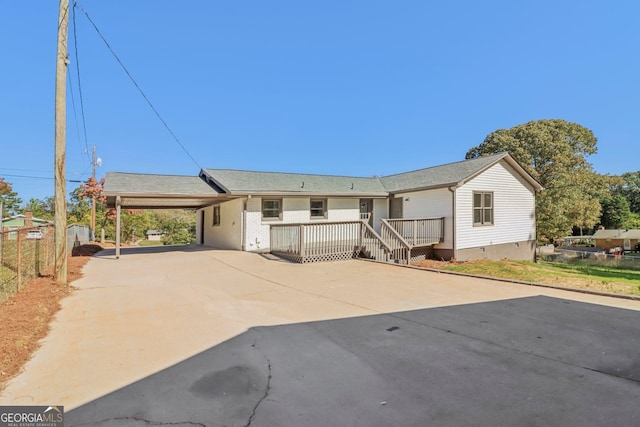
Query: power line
point(75, 44)
point(38, 177)
point(75, 115)
point(177, 140)
point(26, 170)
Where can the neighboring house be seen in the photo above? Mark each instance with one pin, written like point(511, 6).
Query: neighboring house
point(473, 209)
point(627, 240)
point(155, 235)
point(27, 220)
point(20, 221)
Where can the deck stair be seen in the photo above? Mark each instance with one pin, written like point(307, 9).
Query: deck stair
point(399, 241)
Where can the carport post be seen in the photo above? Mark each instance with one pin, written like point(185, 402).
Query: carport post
point(118, 209)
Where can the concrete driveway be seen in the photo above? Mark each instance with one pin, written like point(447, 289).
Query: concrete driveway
point(163, 331)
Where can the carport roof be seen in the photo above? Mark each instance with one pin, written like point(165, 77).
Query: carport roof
point(159, 191)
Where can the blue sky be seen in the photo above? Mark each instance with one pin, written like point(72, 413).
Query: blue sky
point(334, 87)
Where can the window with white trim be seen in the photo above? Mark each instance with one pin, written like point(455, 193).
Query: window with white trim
point(271, 209)
point(318, 208)
point(216, 216)
point(482, 208)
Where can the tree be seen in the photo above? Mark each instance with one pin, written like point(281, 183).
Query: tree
point(554, 152)
point(88, 190)
point(43, 209)
point(630, 189)
point(133, 223)
point(78, 208)
point(615, 212)
point(179, 226)
point(11, 201)
point(634, 221)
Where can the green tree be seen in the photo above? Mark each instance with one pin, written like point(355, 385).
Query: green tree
point(79, 208)
point(43, 209)
point(634, 221)
point(133, 224)
point(11, 201)
point(179, 227)
point(615, 212)
point(630, 189)
point(554, 152)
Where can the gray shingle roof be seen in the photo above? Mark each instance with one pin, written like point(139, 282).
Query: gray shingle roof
point(145, 184)
point(222, 184)
point(617, 234)
point(439, 176)
point(238, 182)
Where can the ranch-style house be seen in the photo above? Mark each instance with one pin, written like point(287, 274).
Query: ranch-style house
point(482, 208)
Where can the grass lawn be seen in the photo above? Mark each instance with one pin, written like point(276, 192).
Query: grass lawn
point(150, 243)
point(592, 277)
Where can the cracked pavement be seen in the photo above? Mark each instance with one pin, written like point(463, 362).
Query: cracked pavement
point(196, 336)
point(527, 361)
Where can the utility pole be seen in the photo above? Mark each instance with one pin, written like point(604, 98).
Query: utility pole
point(60, 214)
point(93, 194)
point(1, 230)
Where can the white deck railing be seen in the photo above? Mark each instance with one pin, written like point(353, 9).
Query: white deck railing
point(418, 232)
point(327, 241)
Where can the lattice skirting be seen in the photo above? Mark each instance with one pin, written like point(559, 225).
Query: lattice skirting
point(422, 253)
point(335, 256)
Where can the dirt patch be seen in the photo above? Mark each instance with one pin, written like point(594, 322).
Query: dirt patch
point(432, 263)
point(25, 317)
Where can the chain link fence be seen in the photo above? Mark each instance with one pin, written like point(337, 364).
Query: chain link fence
point(28, 252)
point(622, 260)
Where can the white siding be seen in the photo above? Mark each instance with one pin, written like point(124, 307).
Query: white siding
point(431, 204)
point(227, 235)
point(343, 210)
point(514, 209)
point(380, 210)
point(294, 210)
point(257, 234)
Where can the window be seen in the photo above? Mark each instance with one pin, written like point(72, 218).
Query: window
point(271, 209)
point(216, 215)
point(318, 208)
point(482, 208)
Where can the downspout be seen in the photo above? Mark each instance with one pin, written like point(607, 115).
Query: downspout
point(118, 211)
point(243, 224)
point(535, 224)
point(453, 189)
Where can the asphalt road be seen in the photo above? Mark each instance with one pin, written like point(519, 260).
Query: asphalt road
point(534, 361)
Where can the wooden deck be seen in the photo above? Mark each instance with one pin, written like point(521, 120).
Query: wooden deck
point(398, 242)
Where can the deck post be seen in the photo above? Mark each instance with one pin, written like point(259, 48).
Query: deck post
point(118, 211)
point(301, 242)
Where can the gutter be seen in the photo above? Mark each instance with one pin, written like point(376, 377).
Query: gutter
point(307, 194)
point(453, 189)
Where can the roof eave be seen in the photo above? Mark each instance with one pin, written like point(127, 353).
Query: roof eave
point(165, 195)
point(428, 187)
point(246, 193)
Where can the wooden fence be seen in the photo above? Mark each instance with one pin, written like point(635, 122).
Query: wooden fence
point(27, 252)
point(24, 254)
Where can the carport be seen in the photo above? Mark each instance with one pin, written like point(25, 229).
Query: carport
point(147, 191)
